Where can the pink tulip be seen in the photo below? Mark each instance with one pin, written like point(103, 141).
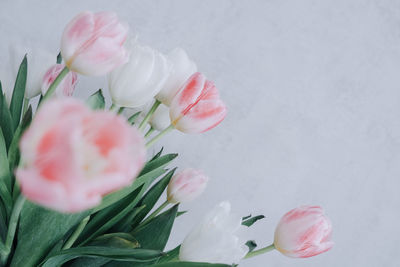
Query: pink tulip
point(186, 186)
point(67, 85)
point(92, 43)
point(303, 232)
point(197, 107)
point(72, 156)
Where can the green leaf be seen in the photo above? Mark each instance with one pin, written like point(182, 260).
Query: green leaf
point(5, 175)
point(122, 254)
point(251, 244)
point(96, 100)
point(191, 264)
point(13, 153)
point(107, 218)
point(39, 231)
point(250, 221)
point(159, 162)
point(155, 233)
point(156, 156)
point(116, 240)
point(6, 123)
point(19, 92)
point(132, 118)
point(59, 58)
point(145, 179)
point(180, 213)
point(151, 197)
point(172, 255)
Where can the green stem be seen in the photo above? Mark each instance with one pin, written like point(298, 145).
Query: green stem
point(26, 104)
point(260, 251)
point(113, 107)
point(71, 240)
point(156, 212)
point(120, 110)
point(158, 136)
point(55, 83)
point(12, 227)
point(149, 114)
point(149, 132)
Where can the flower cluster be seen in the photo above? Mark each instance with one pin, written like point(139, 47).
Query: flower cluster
point(87, 165)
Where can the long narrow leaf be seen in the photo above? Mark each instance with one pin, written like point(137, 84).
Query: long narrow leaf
point(121, 254)
point(152, 196)
point(19, 92)
point(6, 123)
point(155, 233)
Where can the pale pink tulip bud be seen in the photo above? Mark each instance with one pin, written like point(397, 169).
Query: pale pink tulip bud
point(92, 43)
point(186, 186)
point(72, 156)
point(303, 232)
point(197, 107)
point(67, 85)
point(182, 68)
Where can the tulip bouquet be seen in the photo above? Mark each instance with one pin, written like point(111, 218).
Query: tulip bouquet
point(76, 185)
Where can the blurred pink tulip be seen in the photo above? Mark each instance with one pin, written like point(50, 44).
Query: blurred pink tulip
point(67, 85)
point(92, 43)
point(186, 186)
point(197, 107)
point(72, 156)
point(303, 232)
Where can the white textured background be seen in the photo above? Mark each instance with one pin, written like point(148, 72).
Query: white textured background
point(314, 108)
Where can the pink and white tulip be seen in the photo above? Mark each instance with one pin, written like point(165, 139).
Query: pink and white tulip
point(72, 156)
point(67, 85)
point(197, 107)
point(93, 43)
point(182, 68)
point(303, 232)
point(186, 186)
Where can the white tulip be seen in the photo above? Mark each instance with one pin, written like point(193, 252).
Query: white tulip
point(160, 119)
point(138, 81)
point(39, 61)
point(182, 69)
point(216, 239)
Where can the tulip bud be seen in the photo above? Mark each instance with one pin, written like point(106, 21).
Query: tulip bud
point(67, 85)
point(186, 186)
point(92, 43)
point(197, 107)
point(39, 61)
point(182, 69)
point(72, 156)
point(160, 119)
point(138, 81)
point(303, 232)
point(217, 239)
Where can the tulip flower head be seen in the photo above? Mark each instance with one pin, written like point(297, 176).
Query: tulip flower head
point(135, 83)
point(92, 43)
point(182, 68)
point(186, 186)
point(160, 119)
point(67, 85)
point(303, 232)
point(197, 107)
point(72, 156)
point(217, 239)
